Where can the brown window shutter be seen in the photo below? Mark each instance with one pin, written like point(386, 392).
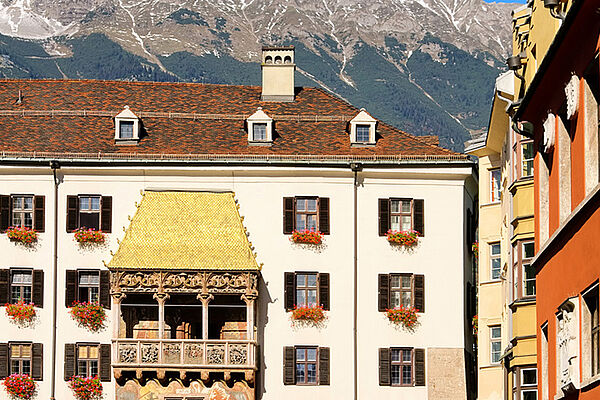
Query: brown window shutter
point(70, 288)
point(105, 289)
point(4, 361)
point(38, 213)
point(289, 365)
point(37, 367)
point(384, 292)
point(290, 290)
point(420, 293)
point(70, 360)
point(4, 286)
point(385, 366)
point(324, 365)
point(419, 214)
point(324, 291)
point(72, 213)
point(106, 214)
point(37, 295)
point(105, 362)
point(324, 215)
point(419, 367)
point(5, 204)
point(384, 216)
point(289, 219)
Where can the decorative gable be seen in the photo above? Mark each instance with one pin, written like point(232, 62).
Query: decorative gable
point(260, 128)
point(127, 127)
point(362, 128)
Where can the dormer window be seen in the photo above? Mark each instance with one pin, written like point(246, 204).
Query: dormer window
point(127, 127)
point(260, 128)
point(362, 129)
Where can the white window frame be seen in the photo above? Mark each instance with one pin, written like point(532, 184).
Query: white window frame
point(495, 340)
point(492, 257)
point(495, 192)
point(260, 117)
point(526, 261)
point(526, 160)
point(361, 119)
point(127, 116)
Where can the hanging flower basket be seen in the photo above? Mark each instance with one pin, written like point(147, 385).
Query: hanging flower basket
point(475, 323)
point(475, 249)
point(20, 386)
point(84, 235)
point(306, 236)
point(22, 234)
point(308, 314)
point(88, 315)
point(21, 313)
point(404, 238)
point(86, 388)
point(405, 316)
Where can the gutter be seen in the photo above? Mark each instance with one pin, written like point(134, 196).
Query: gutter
point(356, 168)
point(549, 57)
point(54, 165)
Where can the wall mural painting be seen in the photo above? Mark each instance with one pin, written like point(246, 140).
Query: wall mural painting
point(176, 391)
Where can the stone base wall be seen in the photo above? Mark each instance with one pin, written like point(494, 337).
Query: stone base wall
point(153, 390)
point(446, 374)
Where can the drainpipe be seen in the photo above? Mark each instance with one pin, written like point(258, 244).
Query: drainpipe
point(356, 168)
point(54, 165)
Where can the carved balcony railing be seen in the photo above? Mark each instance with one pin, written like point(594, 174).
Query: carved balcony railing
point(184, 354)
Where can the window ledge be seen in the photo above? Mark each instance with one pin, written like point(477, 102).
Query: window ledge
point(490, 366)
point(490, 282)
point(357, 144)
point(260, 143)
point(590, 381)
point(494, 203)
point(126, 141)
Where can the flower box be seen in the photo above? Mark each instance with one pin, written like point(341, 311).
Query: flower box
point(20, 386)
point(475, 323)
point(308, 313)
point(84, 235)
point(86, 388)
point(306, 236)
point(22, 234)
point(406, 316)
point(475, 249)
point(404, 238)
point(21, 313)
point(88, 315)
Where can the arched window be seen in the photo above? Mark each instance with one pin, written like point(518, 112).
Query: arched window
point(268, 60)
point(278, 60)
point(287, 60)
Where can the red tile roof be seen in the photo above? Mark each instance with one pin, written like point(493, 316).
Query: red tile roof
point(316, 123)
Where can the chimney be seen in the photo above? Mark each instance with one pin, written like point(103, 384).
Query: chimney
point(278, 73)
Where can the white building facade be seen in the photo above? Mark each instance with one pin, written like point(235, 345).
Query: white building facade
point(352, 192)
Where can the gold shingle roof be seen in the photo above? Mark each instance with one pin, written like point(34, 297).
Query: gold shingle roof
point(186, 230)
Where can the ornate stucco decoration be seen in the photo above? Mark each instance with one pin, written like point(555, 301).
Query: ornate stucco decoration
point(549, 133)
point(567, 342)
point(572, 95)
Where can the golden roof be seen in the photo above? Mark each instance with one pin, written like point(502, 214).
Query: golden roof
point(186, 230)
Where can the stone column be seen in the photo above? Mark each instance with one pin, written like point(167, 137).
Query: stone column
point(249, 299)
point(161, 298)
point(117, 297)
point(205, 298)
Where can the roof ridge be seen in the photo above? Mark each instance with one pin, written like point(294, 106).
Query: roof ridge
point(88, 80)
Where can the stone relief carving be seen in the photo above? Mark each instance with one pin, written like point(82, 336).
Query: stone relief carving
point(572, 95)
point(194, 353)
point(149, 352)
point(127, 353)
point(215, 354)
point(549, 133)
point(238, 354)
point(567, 338)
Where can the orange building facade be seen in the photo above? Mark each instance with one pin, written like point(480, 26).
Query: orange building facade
point(560, 111)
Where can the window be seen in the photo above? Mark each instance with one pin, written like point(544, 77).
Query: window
point(495, 260)
point(20, 358)
point(89, 286)
point(401, 291)
point(306, 289)
point(527, 155)
point(591, 330)
point(495, 189)
point(401, 214)
point(306, 365)
point(362, 133)
point(20, 286)
point(495, 344)
point(126, 129)
point(87, 360)
point(22, 211)
point(259, 131)
point(528, 250)
point(306, 213)
point(397, 290)
point(402, 367)
point(89, 211)
point(525, 383)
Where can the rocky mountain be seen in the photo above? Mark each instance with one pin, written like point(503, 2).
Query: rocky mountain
point(427, 66)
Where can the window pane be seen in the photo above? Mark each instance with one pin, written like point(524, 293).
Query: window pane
point(495, 249)
point(312, 280)
point(395, 206)
point(300, 205)
point(259, 131)
point(14, 367)
point(300, 222)
point(82, 368)
point(26, 367)
point(405, 206)
point(406, 374)
point(529, 395)
point(89, 220)
point(26, 294)
point(311, 205)
point(28, 219)
point(93, 367)
point(529, 377)
point(406, 355)
point(495, 332)
point(395, 299)
point(406, 223)
point(311, 222)
point(495, 184)
point(311, 354)
point(406, 282)
point(95, 203)
point(300, 373)
point(28, 203)
point(396, 374)
point(395, 223)
point(18, 202)
point(83, 353)
point(300, 354)
point(301, 280)
point(300, 298)
point(311, 375)
point(528, 250)
point(362, 133)
point(84, 203)
point(495, 268)
point(126, 129)
point(94, 295)
point(395, 281)
point(312, 297)
point(396, 354)
point(406, 299)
